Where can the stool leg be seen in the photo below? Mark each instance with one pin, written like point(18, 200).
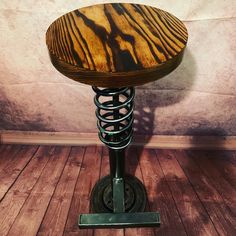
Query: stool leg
point(117, 169)
point(117, 192)
point(118, 199)
point(117, 165)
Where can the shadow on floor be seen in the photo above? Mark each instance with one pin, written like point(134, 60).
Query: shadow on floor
point(164, 92)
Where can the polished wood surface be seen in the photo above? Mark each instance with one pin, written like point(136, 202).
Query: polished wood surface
point(115, 45)
point(48, 187)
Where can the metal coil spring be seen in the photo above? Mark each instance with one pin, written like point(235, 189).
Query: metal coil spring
point(115, 116)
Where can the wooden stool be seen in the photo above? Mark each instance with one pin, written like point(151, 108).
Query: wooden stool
point(116, 47)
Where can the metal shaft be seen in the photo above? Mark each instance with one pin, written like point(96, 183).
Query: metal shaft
point(117, 170)
point(115, 119)
point(117, 163)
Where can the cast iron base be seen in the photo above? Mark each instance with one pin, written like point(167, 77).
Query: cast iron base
point(135, 195)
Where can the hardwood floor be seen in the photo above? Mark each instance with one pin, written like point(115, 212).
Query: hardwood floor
point(43, 189)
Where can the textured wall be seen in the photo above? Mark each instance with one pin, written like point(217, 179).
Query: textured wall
point(198, 98)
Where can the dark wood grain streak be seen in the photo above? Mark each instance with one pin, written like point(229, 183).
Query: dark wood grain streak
point(168, 50)
point(115, 45)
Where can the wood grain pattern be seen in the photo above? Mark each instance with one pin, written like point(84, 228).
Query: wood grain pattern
point(14, 200)
point(88, 176)
point(208, 195)
point(189, 195)
point(114, 45)
point(159, 195)
point(191, 210)
point(12, 170)
point(7, 155)
point(133, 168)
point(55, 218)
point(220, 183)
point(30, 217)
point(225, 164)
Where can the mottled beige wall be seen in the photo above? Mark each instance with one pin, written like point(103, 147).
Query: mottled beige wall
point(198, 98)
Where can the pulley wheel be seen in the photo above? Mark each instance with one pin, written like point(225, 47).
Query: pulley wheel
point(135, 195)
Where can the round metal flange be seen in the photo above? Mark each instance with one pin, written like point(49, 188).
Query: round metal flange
point(135, 195)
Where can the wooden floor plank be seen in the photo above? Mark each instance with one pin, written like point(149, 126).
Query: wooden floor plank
point(220, 214)
point(3, 149)
point(133, 168)
point(225, 162)
point(13, 168)
point(193, 190)
point(29, 219)
point(57, 212)
point(224, 187)
point(12, 203)
point(105, 166)
point(193, 214)
point(160, 198)
point(88, 176)
point(7, 154)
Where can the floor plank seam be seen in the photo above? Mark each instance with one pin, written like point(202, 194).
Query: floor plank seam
point(20, 172)
point(203, 205)
point(99, 176)
point(64, 230)
point(221, 164)
point(54, 189)
point(27, 196)
point(14, 155)
point(167, 183)
point(102, 157)
point(51, 154)
point(212, 182)
point(196, 188)
point(141, 171)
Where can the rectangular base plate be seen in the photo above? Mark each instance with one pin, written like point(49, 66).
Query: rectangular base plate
point(119, 220)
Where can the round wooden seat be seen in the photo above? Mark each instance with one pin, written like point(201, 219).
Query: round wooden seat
point(116, 45)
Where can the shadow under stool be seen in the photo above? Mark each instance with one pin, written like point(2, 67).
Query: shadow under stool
point(114, 47)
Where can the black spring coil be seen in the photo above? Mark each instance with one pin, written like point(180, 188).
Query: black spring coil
point(115, 116)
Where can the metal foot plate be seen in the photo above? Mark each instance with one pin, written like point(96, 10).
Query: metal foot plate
point(119, 220)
